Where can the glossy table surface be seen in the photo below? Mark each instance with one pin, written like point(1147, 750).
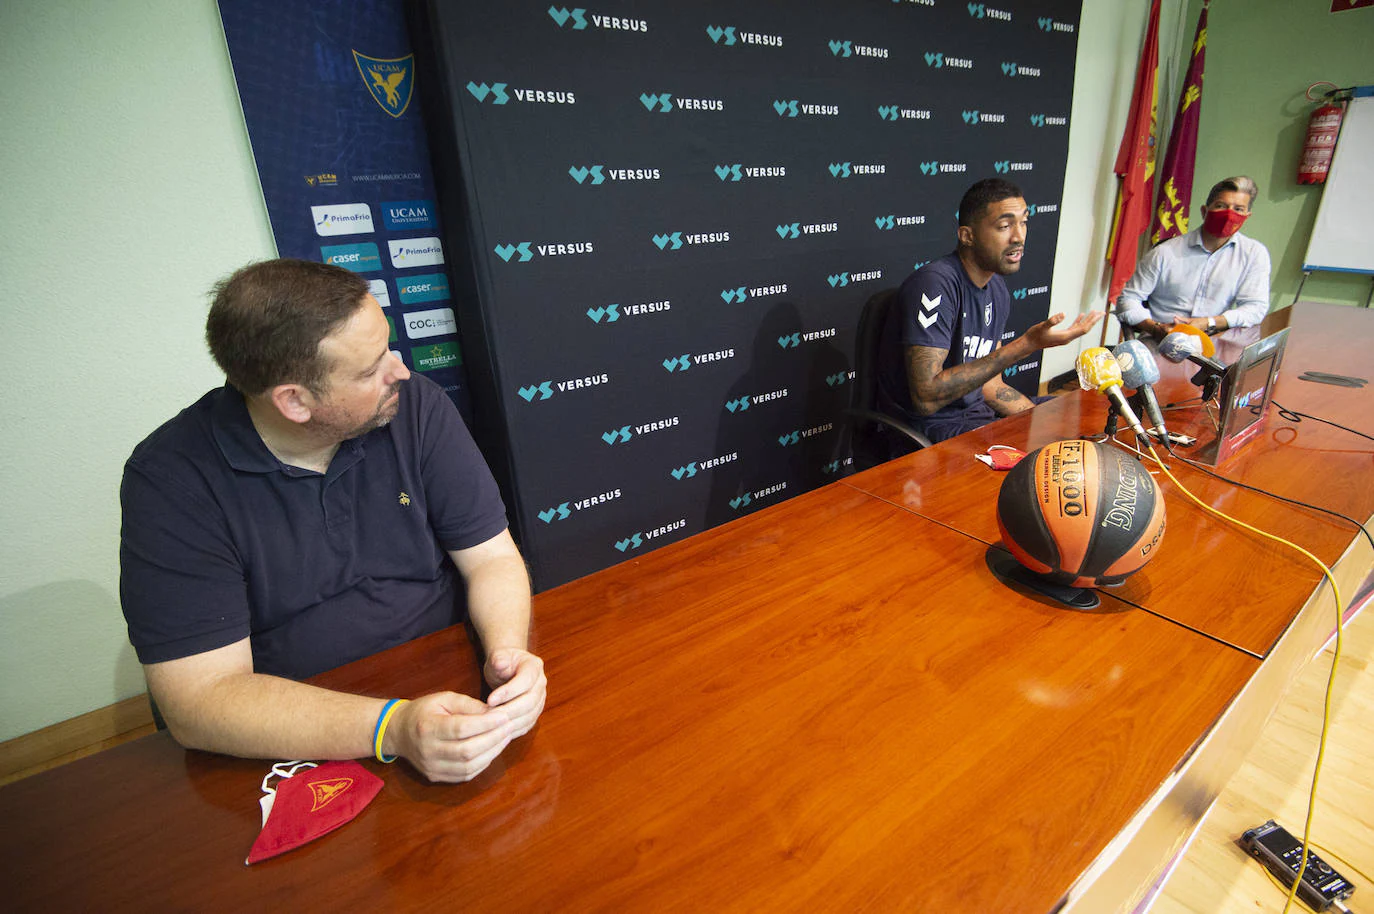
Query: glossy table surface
point(815, 707)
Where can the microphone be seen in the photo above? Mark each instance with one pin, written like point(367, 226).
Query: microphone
point(1099, 371)
point(1209, 348)
point(1139, 372)
point(1178, 346)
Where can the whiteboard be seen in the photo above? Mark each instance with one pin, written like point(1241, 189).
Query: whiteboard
point(1340, 237)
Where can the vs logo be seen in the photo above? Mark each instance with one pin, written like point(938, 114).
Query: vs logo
point(970, 117)
point(729, 171)
point(496, 90)
point(935, 59)
point(885, 223)
point(716, 33)
point(686, 472)
point(507, 251)
point(560, 15)
point(789, 341)
point(839, 169)
point(651, 102)
point(837, 280)
point(791, 230)
point(977, 10)
point(1037, 120)
point(888, 112)
point(1018, 294)
point(1002, 167)
point(1008, 69)
point(930, 168)
point(661, 241)
point(580, 174)
point(740, 502)
point(734, 296)
point(681, 363)
point(609, 313)
point(842, 48)
point(787, 108)
point(544, 389)
point(561, 513)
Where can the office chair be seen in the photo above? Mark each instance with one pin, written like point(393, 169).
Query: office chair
point(876, 433)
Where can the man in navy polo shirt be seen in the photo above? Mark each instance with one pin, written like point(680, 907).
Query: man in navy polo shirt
point(941, 355)
point(322, 506)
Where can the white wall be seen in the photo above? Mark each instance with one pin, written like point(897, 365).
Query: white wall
point(130, 188)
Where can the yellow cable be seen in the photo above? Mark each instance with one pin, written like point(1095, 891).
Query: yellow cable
point(1335, 660)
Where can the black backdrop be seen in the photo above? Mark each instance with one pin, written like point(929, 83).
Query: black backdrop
point(673, 213)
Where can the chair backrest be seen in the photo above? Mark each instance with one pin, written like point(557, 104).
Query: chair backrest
point(864, 394)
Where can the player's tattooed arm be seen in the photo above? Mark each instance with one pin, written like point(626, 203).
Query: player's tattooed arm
point(933, 386)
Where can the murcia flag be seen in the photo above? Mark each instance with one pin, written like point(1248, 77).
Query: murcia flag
point(1171, 215)
point(1135, 164)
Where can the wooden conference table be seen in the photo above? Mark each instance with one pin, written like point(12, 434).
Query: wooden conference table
point(831, 704)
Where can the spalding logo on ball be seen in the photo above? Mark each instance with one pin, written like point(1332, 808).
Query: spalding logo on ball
point(1081, 513)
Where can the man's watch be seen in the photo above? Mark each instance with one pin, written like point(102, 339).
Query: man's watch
point(1211, 325)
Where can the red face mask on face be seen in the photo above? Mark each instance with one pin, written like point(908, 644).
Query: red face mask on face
point(1223, 223)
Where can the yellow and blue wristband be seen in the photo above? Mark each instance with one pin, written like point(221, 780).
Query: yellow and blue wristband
point(379, 732)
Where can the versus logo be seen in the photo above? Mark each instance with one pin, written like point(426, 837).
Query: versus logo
point(793, 107)
point(438, 322)
point(673, 241)
point(436, 356)
point(1021, 293)
point(981, 11)
point(938, 60)
point(738, 171)
point(1014, 69)
point(918, 264)
point(887, 223)
point(840, 280)
point(1048, 24)
point(1004, 166)
point(796, 229)
point(850, 49)
point(342, 219)
point(846, 169)
point(402, 215)
point(794, 437)
point(742, 403)
point(979, 117)
point(1012, 371)
point(742, 294)
point(634, 541)
point(599, 174)
point(425, 287)
point(498, 94)
point(507, 251)
point(1040, 120)
point(838, 379)
point(685, 361)
point(936, 168)
point(727, 36)
point(793, 340)
point(691, 469)
point(561, 512)
point(897, 112)
point(360, 258)
point(664, 103)
point(415, 252)
point(748, 498)
point(388, 80)
point(834, 465)
point(561, 15)
point(625, 433)
point(1041, 208)
point(545, 389)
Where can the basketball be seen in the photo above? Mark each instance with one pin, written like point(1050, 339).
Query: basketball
point(1081, 514)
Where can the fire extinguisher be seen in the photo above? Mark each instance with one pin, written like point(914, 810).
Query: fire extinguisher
point(1322, 130)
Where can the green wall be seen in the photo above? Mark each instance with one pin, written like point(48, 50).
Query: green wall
point(1261, 56)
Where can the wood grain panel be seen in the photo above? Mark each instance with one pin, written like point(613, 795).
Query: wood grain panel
point(790, 712)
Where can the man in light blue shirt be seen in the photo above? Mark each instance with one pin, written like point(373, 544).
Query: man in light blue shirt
point(1213, 277)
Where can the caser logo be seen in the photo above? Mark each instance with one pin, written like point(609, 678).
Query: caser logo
point(888, 223)
point(793, 107)
point(847, 169)
point(850, 49)
point(663, 103)
point(499, 96)
point(360, 258)
point(527, 249)
point(729, 37)
point(561, 15)
point(599, 173)
point(673, 241)
point(981, 11)
point(1047, 24)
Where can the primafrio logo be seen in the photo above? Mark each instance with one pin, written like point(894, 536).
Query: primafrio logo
point(938, 61)
point(982, 11)
point(739, 171)
point(423, 288)
point(388, 79)
point(561, 15)
point(408, 215)
point(378, 290)
point(794, 107)
point(850, 49)
point(360, 258)
point(342, 219)
point(728, 36)
point(849, 169)
point(436, 356)
point(890, 222)
point(1049, 24)
point(1013, 69)
point(415, 252)
point(499, 96)
point(674, 241)
point(436, 322)
point(664, 102)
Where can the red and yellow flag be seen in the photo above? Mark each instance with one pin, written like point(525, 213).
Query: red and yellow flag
point(1171, 215)
point(1135, 163)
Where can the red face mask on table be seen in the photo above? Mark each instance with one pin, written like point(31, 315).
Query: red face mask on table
point(1223, 223)
point(306, 804)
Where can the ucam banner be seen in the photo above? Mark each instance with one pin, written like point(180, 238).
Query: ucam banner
point(328, 96)
point(670, 215)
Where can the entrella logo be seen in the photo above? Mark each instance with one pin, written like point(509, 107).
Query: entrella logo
point(506, 251)
point(561, 15)
point(544, 389)
point(718, 34)
point(610, 313)
point(662, 103)
point(580, 174)
point(559, 513)
point(497, 91)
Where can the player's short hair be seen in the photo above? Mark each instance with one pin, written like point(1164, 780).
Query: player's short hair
point(980, 196)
